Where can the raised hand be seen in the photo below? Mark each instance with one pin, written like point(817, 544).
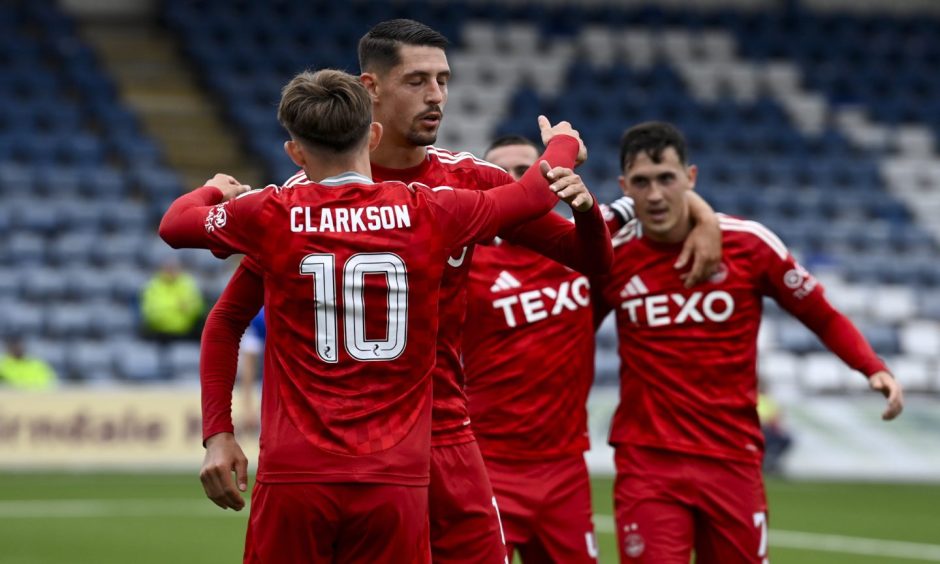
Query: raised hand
point(549, 131)
point(229, 186)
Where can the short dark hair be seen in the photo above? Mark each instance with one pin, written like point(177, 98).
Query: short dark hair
point(507, 140)
point(379, 48)
point(328, 109)
point(652, 138)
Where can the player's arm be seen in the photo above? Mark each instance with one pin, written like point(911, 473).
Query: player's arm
point(218, 364)
point(196, 219)
point(471, 216)
point(798, 292)
point(703, 245)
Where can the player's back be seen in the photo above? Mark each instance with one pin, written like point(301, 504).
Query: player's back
point(351, 295)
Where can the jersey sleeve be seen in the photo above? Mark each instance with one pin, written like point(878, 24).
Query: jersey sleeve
point(471, 215)
point(798, 292)
point(584, 246)
point(618, 213)
point(218, 361)
point(199, 220)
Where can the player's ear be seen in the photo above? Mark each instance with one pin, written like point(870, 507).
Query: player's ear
point(375, 135)
point(623, 184)
point(292, 148)
point(692, 172)
point(370, 81)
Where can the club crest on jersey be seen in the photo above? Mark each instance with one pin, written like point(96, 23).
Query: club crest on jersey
point(216, 218)
point(633, 543)
point(720, 275)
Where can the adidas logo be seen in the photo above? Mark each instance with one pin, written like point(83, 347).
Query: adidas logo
point(634, 287)
point(505, 281)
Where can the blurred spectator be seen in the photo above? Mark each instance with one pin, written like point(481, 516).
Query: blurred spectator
point(252, 353)
point(19, 370)
point(171, 305)
point(777, 440)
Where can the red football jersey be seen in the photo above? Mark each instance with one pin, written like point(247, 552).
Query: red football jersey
point(351, 275)
point(551, 235)
point(528, 354)
point(688, 376)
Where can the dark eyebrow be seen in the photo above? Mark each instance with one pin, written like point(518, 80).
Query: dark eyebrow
point(422, 73)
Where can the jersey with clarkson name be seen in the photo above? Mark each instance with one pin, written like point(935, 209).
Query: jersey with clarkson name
point(528, 354)
point(351, 274)
point(688, 376)
point(451, 419)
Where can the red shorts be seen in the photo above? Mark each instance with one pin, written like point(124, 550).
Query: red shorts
point(465, 523)
point(668, 503)
point(337, 523)
point(546, 509)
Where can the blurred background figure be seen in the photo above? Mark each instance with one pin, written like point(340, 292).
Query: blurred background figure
point(251, 369)
point(19, 370)
point(777, 438)
point(171, 305)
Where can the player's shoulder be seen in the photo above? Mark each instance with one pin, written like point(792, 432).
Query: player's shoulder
point(737, 230)
point(627, 235)
point(464, 163)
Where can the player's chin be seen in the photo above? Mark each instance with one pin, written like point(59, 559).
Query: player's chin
point(423, 138)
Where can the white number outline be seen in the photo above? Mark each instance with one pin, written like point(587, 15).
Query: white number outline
point(396, 329)
point(322, 267)
point(760, 520)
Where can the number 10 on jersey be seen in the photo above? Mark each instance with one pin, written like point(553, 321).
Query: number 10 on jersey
point(322, 267)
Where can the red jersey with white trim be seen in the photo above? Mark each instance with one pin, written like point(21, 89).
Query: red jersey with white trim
point(451, 418)
point(351, 275)
point(528, 354)
point(688, 376)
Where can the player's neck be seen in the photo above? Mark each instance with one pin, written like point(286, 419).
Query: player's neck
point(398, 155)
point(675, 235)
point(319, 169)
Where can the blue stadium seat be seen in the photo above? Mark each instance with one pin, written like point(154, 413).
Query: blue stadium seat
point(183, 361)
point(87, 283)
point(21, 319)
point(140, 362)
point(127, 281)
point(69, 320)
point(73, 247)
point(43, 284)
point(88, 360)
point(113, 321)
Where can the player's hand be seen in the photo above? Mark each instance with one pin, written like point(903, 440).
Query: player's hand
point(224, 456)
point(562, 128)
point(228, 185)
point(882, 381)
point(568, 186)
point(703, 246)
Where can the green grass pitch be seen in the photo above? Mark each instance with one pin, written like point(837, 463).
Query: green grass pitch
point(144, 519)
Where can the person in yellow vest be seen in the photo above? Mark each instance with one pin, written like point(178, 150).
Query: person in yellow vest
point(171, 305)
point(19, 370)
